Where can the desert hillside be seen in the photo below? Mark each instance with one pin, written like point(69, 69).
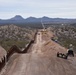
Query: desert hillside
point(14, 35)
point(42, 59)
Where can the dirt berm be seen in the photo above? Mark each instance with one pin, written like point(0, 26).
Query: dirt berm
point(42, 60)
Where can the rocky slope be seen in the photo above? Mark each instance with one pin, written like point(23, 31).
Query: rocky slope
point(12, 34)
point(3, 53)
point(66, 35)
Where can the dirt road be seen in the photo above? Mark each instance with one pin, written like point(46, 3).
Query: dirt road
point(38, 45)
point(41, 60)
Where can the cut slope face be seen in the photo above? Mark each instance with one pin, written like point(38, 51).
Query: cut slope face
point(3, 53)
point(41, 60)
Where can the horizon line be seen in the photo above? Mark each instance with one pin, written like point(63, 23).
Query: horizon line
point(38, 17)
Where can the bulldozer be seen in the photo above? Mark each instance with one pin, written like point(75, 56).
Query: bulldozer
point(62, 55)
point(65, 56)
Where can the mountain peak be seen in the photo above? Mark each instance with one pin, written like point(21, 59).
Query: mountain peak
point(45, 17)
point(31, 17)
point(17, 17)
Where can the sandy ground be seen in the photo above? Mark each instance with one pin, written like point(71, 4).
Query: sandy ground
point(41, 60)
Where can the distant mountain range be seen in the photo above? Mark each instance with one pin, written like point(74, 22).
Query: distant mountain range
point(20, 20)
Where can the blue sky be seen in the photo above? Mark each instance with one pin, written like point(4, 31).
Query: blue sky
point(38, 8)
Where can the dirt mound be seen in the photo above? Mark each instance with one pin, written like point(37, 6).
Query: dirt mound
point(42, 60)
point(36, 64)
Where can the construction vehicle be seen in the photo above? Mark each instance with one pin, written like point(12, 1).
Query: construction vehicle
point(65, 56)
point(62, 55)
point(70, 50)
point(70, 53)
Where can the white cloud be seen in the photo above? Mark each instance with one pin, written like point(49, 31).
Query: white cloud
point(51, 8)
